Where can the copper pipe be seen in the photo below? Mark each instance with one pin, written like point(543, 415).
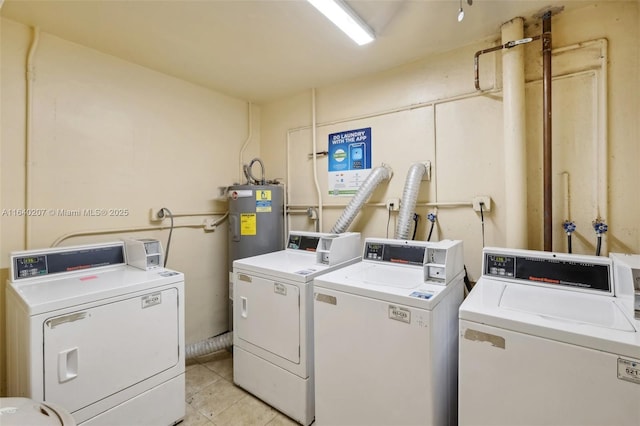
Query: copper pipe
point(546, 108)
point(507, 45)
point(476, 67)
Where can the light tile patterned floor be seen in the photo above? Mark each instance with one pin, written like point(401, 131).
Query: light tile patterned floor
point(213, 399)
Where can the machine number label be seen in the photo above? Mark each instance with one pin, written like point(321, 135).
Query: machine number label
point(325, 298)
point(279, 289)
point(629, 370)
point(151, 300)
point(399, 314)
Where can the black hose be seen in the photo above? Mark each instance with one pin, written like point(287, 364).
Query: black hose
point(482, 219)
point(467, 282)
point(431, 230)
point(388, 220)
point(569, 243)
point(166, 253)
point(599, 245)
point(415, 226)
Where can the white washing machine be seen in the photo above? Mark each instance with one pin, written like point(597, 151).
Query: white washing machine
point(273, 318)
point(551, 339)
point(95, 336)
point(386, 335)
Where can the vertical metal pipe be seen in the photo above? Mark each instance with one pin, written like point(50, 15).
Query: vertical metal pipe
point(546, 82)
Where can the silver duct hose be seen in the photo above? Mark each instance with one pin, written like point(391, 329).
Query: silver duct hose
point(408, 201)
point(208, 346)
point(376, 176)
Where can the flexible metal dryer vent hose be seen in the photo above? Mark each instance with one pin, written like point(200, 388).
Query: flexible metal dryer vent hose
point(376, 176)
point(409, 198)
point(208, 346)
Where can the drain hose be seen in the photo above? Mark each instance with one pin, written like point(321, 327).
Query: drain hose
point(208, 346)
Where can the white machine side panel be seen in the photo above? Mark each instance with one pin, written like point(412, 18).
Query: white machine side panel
point(267, 314)
point(96, 352)
point(509, 378)
point(19, 352)
point(366, 367)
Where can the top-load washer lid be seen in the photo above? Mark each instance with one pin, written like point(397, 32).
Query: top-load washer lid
point(24, 411)
point(301, 264)
point(45, 295)
point(284, 264)
point(383, 275)
point(583, 319)
point(567, 306)
point(413, 273)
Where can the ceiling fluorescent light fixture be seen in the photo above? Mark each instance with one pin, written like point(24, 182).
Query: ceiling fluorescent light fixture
point(346, 19)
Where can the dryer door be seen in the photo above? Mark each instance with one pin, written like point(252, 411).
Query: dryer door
point(92, 353)
point(267, 315)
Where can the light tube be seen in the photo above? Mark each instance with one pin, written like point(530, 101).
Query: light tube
point(346, 19)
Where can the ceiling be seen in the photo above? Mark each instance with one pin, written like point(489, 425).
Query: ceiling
point(262, 50)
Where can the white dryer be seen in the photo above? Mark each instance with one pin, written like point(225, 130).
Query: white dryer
point(273, 318)
point(95, 336)
point(386, 335)
point(550, 339)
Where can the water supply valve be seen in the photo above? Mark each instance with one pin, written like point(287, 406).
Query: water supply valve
point(431, 217)
point(569, 227)
point(599, 226)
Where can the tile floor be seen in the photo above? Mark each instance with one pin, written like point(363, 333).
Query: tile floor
point(213, 399)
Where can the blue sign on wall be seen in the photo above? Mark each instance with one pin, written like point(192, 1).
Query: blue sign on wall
point(349, 160)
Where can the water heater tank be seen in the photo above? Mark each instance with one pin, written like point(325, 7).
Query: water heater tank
point(256, 220)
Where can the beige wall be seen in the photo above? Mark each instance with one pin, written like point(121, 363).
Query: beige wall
point(463, 137)
point(113, 135)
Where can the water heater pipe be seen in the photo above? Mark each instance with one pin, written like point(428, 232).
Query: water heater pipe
point(376, 176)
point(244, 146)
point(514, 134)
point(315, 150)
point(409, 197)
point(30, 77)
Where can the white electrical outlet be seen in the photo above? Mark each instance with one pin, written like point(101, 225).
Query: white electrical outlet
point(155, 215)
point(485, 200)
point(393, 204)
point(427, 175)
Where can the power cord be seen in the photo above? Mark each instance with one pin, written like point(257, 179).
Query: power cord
point(482, 220)
point(467, 282)
point(389, 207)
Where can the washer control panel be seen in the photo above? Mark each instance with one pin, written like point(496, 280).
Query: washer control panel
point(551, 269)
point(39, 263)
